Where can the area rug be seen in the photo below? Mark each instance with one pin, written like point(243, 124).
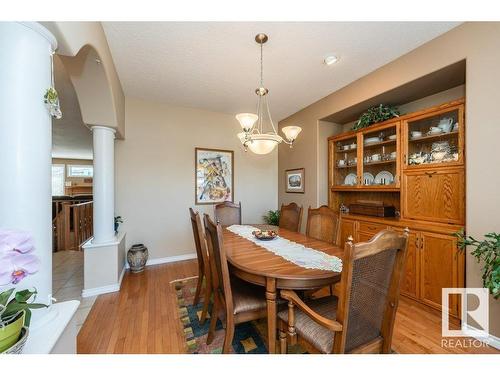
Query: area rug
point(249, 338)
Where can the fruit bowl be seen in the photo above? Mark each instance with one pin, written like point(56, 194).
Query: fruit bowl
point(265, 235)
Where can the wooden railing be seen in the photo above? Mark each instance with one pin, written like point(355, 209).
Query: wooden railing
point(72, 224)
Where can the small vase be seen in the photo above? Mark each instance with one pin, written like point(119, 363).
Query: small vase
point(137, 256)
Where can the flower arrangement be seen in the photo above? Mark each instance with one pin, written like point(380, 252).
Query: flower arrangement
point(17, 258)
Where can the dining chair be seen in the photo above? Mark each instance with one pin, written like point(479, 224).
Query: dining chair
point(228, 213)
point(361, 319)
point(290, 217)
point(323, 224)
point(203, 264)
point(235, 299)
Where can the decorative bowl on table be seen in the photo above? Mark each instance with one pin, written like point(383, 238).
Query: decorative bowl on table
point(265, 235)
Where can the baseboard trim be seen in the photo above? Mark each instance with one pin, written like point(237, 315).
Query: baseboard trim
point(490, 340)
point(172, 259)
point(104, 289)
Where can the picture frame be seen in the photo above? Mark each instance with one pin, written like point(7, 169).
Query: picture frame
point(213, 175)
point(295, 180)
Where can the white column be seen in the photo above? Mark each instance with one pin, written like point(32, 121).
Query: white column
point(104, 184)
point(26, 142)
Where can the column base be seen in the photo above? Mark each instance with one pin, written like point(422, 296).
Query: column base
point(104, 266)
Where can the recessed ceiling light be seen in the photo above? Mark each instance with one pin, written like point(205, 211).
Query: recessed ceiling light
point(330, 59)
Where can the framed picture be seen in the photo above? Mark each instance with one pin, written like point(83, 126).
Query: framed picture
point(295, 180)
point(214, 176)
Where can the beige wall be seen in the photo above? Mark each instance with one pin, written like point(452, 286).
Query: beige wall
point(155, 174)
point(478, 44)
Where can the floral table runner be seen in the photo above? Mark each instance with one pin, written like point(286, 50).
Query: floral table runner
point(293, 252)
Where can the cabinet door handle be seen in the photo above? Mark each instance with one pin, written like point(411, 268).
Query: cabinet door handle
point(430, 174)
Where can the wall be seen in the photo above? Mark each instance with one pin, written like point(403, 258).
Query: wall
point(477, 43)
point(155, 174)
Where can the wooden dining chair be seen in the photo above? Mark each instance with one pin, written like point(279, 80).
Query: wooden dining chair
point(228, 213)
point(323, 224)
point(204, 272)
point(361, 319)
point(290, 217)
point(234, 299)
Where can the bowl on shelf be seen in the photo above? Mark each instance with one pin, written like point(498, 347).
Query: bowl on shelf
point(416, 134)
point(352, 146)
point(265, 235)
point(372, 140)
point(392, 137)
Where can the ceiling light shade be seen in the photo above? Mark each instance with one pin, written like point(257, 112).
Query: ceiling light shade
point(262, 144)
point(331, 59)
point(291, 132)
point(247, 120)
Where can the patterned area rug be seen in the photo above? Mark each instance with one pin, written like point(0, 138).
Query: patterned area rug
point(249, 338)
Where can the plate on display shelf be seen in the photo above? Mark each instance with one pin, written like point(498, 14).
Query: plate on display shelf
point(384, 178)
point(368, 178)
point(350, 179)
point(372, 140)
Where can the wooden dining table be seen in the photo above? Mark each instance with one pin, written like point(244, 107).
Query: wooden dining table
point(259, 266)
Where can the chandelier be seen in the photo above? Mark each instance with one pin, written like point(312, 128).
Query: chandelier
point(253, 136)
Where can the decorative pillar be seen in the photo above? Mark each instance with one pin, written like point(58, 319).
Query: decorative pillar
point(104, 184)
point(26, 143)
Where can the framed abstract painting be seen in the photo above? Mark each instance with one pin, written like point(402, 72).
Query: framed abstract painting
point(214, 176)
point(295, 180)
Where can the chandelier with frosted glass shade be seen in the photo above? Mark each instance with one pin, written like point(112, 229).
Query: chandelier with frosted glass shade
point(254, 136)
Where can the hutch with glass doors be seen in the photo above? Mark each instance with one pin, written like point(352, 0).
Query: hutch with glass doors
point(415, 163)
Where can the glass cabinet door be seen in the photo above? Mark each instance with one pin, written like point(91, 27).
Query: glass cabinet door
point(380, 157)
point(434, 139)
point(345, 162)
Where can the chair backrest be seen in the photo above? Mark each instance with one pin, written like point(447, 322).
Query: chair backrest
point(323, 224)
point(200, 242)
point(291, 217)
point(221, 283)
point(369, 291)
point(228, 213)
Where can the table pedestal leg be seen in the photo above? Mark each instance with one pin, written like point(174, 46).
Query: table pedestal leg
point(271, 314)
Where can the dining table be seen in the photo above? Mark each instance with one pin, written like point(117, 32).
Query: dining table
point(257, 265)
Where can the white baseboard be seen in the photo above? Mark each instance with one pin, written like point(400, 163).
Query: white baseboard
point(104, 289)
point(175, 258)
point(490, 340)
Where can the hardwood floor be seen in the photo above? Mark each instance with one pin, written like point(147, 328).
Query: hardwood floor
point(142, 318)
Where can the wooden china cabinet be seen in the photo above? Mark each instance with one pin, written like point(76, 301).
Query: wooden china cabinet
point(416, 163)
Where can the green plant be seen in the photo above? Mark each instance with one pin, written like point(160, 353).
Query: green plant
point(488, 252)
point(118, 221)
point(11, 308)
point(376, 114)
point(272, 217)
point(51, 96)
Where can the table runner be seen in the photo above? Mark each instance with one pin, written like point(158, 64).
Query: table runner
point(293, 252)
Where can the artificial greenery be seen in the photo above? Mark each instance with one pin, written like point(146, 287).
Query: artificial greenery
point(11, 308)
point(272, 217)
point(376, 114)
point(51, 96)
point(487, 251)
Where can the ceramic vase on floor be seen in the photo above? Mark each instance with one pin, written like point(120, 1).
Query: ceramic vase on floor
point(137, 256)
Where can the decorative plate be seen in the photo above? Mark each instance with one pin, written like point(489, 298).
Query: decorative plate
point(368, 178)
point(384, 178)
point(350, 179)
point(265, 235)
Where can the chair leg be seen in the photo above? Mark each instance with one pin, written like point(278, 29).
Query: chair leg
point(206, 302)
point(228, 339)
point(198, 287)
point(283, 341)
point(213, 320)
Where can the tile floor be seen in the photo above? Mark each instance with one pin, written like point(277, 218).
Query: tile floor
point(67, 282)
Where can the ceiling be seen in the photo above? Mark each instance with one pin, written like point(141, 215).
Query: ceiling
point(215, 65)
point(71, 139)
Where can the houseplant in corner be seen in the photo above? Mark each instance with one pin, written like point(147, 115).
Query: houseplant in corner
point(17, 261)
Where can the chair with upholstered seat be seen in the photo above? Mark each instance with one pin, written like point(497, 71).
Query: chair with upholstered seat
point(290, 217)
point(361, 319)
point(228, 213)
point(203, 264)
point(323, 224)
point(235, 299)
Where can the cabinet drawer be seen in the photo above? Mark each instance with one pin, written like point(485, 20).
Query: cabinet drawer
point(371, 227)
point(436, 195)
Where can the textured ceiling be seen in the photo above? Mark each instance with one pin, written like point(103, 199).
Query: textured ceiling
point(71, 139)
point(215, 65)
